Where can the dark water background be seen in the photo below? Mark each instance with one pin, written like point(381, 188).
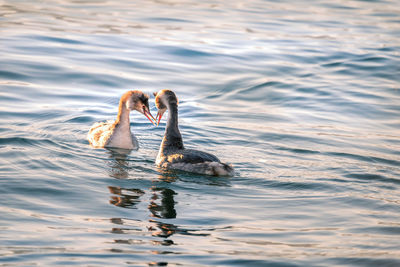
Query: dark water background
point(302, 97)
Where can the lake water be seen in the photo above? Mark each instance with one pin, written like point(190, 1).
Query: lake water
point(301, 97)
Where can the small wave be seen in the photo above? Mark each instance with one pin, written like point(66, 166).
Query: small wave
point(13, 75)
point(303, 186)
point(371, 159)
point(185, 52)
point(22, 141)
point(58, 40)
point(254, 93)
point(80, 119)
point(300, 150)
point(372, 177)
point(372, 58)
point(332, 64)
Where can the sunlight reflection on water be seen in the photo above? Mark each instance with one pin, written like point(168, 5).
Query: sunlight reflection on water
point(302, 98)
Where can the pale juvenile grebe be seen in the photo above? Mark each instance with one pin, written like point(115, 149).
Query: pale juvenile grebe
point(118, 133)
point(172, 154)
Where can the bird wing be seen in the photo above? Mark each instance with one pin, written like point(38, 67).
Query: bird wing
point(191, 156)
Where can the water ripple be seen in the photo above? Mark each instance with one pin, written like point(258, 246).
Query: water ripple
point(301, 99)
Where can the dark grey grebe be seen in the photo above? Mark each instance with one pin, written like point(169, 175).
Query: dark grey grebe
point(118, 133)
point(172, 154)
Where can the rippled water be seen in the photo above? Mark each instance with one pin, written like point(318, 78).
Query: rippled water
point(301, 97)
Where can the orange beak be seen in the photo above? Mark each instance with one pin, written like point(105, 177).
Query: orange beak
point(149, 116)
point(159, 116)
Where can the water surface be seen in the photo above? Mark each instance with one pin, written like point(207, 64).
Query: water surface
point(302, 98)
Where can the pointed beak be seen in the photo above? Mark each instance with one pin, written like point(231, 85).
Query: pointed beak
point(150, 117)
point(158, 117)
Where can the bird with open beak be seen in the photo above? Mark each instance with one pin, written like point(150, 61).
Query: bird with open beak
point(172, 153)
point(117, 134)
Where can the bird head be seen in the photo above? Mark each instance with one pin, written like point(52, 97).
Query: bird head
point(164, 99)
point(139, 101)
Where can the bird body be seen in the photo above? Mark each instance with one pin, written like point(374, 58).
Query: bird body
point(107, 134)
point(192, 160)
point(117, 133)
point(172, 153)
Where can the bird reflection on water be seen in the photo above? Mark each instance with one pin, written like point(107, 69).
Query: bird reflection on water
point(125, 198)
point(161, 204)
point(118, 163)
point(158, 197)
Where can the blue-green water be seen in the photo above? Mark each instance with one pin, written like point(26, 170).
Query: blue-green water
point(302, 97)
